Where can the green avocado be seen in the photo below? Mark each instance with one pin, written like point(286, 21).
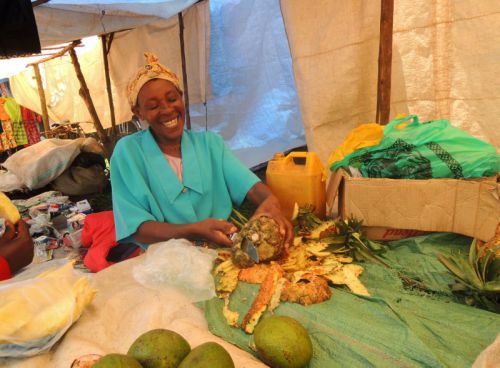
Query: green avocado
point(159, 349)
point(282, 342)
point(208, 355)
point(116, 361)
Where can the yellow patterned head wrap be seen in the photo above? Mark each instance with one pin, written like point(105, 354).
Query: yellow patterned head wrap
point(152, 70)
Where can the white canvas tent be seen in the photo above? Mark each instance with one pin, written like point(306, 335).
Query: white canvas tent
point(445, 65)
point(254, 104)
point(61, 21)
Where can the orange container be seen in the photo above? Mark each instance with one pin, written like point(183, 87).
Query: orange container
point(298, 178)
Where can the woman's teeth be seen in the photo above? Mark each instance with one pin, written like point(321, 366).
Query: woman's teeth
point(171, 123)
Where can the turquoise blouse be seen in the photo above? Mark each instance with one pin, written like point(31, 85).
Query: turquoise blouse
point(145, 187)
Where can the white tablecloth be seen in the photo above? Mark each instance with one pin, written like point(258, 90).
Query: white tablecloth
point(121, 311)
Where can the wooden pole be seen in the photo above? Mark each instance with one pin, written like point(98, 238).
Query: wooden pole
point(385, 62)
point(43, 103)
point(184, 72)
point(85, 94)
point(105, 51)
point(65, 49)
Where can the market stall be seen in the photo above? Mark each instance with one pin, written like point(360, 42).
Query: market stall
point(429, 297)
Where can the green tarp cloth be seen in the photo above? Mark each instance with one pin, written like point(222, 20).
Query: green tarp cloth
point(395, 327)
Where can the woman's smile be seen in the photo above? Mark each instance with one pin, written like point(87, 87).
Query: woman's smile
point(171, 123)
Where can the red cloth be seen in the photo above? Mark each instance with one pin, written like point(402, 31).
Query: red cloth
point(99, 234)
point(30, 121)
point(4, 269)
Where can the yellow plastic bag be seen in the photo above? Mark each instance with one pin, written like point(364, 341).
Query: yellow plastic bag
point(365, 135)
point(7, 210)
point(36, 312)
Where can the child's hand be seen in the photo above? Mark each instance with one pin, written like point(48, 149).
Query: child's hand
point(9, 234)
point(18, 251)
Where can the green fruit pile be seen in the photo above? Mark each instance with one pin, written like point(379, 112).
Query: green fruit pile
point(167, 349)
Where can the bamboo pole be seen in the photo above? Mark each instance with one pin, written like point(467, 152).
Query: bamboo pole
point(385, 62)
point(105, 51)
point(85, 94)
point(184, 72)
point(43, 103)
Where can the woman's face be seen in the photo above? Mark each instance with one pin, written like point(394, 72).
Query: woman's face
point(161, 105)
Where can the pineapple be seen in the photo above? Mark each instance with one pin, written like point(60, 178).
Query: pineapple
point(264, 233)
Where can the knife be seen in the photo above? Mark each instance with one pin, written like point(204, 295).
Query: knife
point(249, 248)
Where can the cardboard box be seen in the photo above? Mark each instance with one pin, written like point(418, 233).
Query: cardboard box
point(470, 207)
point(386, 233)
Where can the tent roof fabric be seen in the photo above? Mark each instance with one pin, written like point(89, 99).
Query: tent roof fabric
point(62, 21)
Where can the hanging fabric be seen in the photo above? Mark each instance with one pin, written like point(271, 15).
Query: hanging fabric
point(31, 120)
point(7, 137)
point(13, 109)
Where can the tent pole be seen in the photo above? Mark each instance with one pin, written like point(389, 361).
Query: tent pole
point(385, 62)
point(43, 103)
point(184, 72)
point(105, 52)
point(85, 94)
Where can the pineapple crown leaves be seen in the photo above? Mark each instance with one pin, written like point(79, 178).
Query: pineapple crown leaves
point(479, 272)
point(347, 238)
point(238, 219)
point(477, 276)
point(351, 229)
point(305, 219)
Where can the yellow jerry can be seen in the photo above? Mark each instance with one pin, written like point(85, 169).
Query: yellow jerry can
point(298, 178)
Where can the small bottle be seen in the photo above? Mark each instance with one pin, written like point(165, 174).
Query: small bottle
point(53, 210)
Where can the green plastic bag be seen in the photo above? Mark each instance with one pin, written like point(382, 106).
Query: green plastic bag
point(432, 149)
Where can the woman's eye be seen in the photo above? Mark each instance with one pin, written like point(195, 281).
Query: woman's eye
point(152, 107)
point(172, 99)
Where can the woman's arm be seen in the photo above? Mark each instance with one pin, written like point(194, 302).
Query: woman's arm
point(213, 230)
point(267, 203)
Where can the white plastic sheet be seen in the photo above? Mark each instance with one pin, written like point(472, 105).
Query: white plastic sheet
point(179, 264)
point(254, 103)
point(67, 20)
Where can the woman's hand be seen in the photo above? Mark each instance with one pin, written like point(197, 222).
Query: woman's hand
point(269, 205)
point(284, 224)
point(216, 231)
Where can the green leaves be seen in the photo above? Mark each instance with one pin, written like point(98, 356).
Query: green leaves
point(477, 276)
point(238, 219)
point(305, 220)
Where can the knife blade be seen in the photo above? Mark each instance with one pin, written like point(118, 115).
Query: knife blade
point(249, 248)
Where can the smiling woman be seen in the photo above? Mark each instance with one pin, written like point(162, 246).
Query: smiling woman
point(171, 183)
point(160, 103)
